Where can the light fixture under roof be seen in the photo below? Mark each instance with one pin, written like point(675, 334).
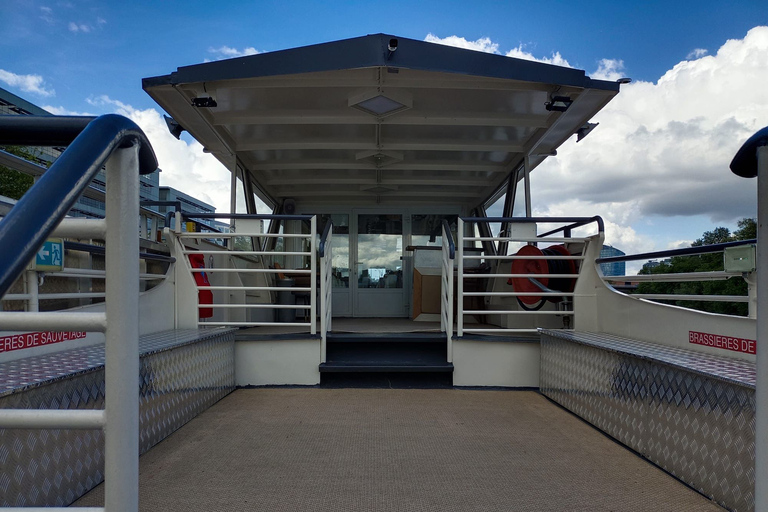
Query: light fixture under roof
point(380, 158)
point(558, 103)
point(380, 104)
point(378, 188)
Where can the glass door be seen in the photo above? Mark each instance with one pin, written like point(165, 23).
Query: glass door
point(379, 289)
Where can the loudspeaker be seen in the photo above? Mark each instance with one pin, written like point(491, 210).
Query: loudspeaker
point(289, 206)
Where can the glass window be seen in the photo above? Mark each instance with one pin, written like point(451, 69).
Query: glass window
point(427, 230)
point(379, 251)
point(340, 246)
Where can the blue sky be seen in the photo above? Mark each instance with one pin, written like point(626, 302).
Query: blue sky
point(696, 67)
point(112, 45)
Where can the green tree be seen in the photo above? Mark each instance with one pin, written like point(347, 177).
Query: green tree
point(704, 263)
point(13, 183)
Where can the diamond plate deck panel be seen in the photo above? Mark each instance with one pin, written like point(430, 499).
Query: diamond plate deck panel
point(697, 426)
point(182, 373)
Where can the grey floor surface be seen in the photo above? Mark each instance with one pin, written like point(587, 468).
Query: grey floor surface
point(312, 449)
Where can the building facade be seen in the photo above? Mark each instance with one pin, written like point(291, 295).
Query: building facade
point(616, 268)
point(91, 207)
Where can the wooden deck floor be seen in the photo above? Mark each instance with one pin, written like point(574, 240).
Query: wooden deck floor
point(312, 449)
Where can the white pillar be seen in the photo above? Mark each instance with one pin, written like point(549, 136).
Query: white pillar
point(122, 333)
point(761, 393)
point(33, 303)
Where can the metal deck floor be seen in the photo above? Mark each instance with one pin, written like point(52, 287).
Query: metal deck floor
point(297, 449)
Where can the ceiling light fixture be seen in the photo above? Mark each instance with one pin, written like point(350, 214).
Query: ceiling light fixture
point(380, 104)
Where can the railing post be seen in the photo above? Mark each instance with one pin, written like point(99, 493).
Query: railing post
point(460, 279)
point(446, 316)
point(751, 279)
point(761, 386)
point(313, 274)
point(33, 303)
point(122, 333)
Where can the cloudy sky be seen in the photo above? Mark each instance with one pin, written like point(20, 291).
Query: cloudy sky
point(656, 168)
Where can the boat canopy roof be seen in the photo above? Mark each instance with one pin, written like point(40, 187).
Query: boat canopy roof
point(380, 119)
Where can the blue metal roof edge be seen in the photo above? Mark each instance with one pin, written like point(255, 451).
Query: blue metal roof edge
point(372, 51)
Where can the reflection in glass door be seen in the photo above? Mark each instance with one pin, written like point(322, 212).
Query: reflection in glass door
point(342, 302)
point(379, 287)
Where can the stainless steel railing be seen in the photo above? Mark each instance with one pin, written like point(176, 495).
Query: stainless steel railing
point(227, 262)
point(463, 257)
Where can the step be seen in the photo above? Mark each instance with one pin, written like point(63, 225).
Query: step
point(406, 337)
point(384, 366)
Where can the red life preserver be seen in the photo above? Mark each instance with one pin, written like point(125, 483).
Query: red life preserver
point(542, 266)
point(203, 296)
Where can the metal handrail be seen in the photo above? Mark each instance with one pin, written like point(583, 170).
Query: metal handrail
point(545, 293)
point(263, 216)
point(324, 237)
point(577, 221)
point(686, 251)
point(112, 140)
point(567, 229)
point(448, 253)
point(99, 249)
point(311, 253)
point(448, 236)
point(325, 249)
point(38, 212)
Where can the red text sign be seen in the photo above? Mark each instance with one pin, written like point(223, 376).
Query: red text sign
point(36, 339)
point(724, 342)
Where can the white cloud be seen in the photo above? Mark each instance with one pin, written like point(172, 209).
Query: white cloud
point(520, 53)
point(61, 111)
point(679, 244)
point(184, 165)
point(663, 149)
point(697, 53)
point(609, 69)
point(46, 14)
point(28, 83)
point(225, 52)
point(484, 44)
point(79, 27)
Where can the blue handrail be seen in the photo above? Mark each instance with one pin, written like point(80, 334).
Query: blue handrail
point(685, 251)
point(577, 221)
point(41, 209)
point(449, 239)
point(744, 164)
point(324, 237)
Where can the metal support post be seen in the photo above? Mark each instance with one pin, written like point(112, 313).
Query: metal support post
point(122, 333)
point(33, 303)
point(761, 392)
point(527, 171)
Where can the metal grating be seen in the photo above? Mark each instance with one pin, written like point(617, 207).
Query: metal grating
point(699, 428)
point(179, 378)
